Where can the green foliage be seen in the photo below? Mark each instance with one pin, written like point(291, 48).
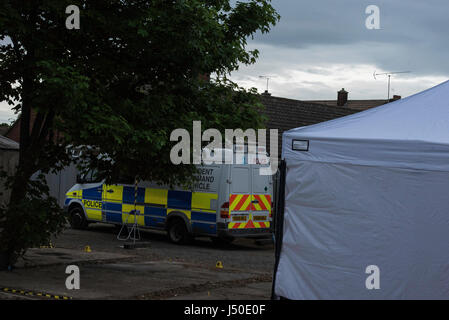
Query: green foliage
point(130, 75)
point(31, 222)
point(124, 81)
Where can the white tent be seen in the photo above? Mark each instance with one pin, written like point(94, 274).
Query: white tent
point(369, 189)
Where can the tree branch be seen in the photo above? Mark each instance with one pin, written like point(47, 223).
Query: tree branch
point(35, 131)
point(16, 48)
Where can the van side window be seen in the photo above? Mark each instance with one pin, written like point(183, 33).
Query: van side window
point(90, 176)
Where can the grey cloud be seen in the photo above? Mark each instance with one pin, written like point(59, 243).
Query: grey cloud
point(340, 22)
point(6, 114)
point(413, 33)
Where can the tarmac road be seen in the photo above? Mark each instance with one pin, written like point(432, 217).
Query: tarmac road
point(160, 271)
point(242, 254)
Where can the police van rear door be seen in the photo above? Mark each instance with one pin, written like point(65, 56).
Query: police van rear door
point(240, 197)
point(261, 198)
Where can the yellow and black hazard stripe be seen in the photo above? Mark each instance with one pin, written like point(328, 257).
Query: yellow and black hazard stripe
point(35, 294)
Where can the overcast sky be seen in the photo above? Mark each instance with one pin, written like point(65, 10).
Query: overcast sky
point(321, 46)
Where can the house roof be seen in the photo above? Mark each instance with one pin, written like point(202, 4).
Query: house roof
point(285, 114)
point(352, 104)
point(8, 144)
point(3, 130)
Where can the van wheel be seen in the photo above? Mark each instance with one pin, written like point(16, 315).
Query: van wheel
point(177, 232)
point(77, 218)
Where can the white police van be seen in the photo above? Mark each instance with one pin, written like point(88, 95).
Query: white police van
point(226, 201)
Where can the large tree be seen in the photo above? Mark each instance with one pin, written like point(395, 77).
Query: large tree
point(119, 84)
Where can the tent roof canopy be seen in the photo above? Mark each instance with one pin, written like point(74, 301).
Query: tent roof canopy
point(411, 132)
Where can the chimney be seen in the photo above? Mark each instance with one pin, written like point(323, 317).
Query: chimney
point(395, 98)
point(266, 93)
point(342, 97)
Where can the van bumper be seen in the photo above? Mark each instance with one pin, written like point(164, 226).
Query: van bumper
point(223, 231)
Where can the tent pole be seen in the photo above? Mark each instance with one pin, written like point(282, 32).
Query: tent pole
point(279, 223)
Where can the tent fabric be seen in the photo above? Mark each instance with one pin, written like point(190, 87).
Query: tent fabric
point(400, 134)
point(372, 189)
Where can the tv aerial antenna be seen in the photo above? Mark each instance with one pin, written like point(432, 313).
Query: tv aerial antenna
point(389, 74)
point(268, 79)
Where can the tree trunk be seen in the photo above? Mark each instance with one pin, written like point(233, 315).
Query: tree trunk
point(25, 168)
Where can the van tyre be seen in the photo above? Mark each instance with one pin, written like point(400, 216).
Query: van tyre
point(77, 218)
point(177, 232)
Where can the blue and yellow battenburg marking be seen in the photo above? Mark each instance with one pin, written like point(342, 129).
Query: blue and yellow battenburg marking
point(113, 203)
